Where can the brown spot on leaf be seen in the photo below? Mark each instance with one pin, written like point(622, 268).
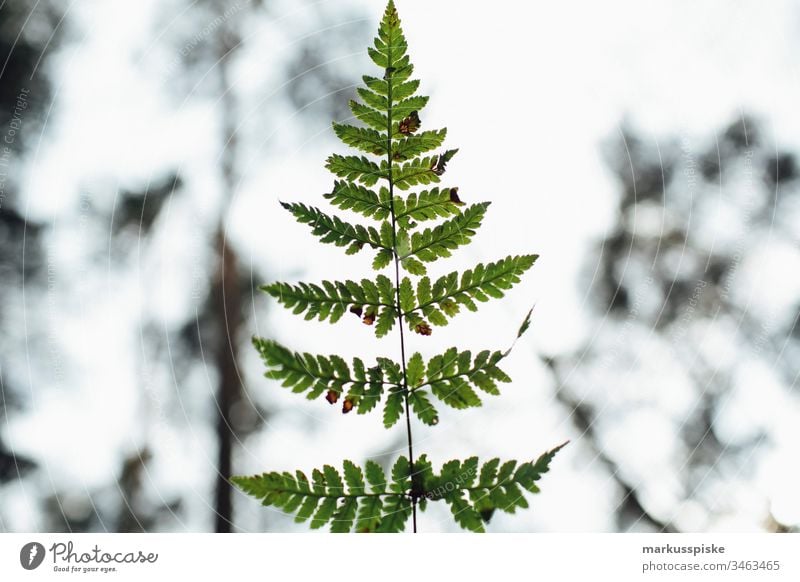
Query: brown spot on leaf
point(423, 329)
point(357, 310)
point(410, 124)
point(369, 318)
point(454, 197)
point(332, 396)
point(347, 406)
point(439, 163)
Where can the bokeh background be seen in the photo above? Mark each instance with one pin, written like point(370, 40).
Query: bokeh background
point(647, 151)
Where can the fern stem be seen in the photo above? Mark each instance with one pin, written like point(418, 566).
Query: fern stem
point(396, 256)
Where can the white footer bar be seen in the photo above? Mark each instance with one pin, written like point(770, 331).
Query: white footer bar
point(403, 557)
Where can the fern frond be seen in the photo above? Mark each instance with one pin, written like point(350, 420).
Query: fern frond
point(333, 230)
point(453, 376)
point(393, 409)
point(382, 259)
point(438, 242)
point(405, 107)
point(355, 168)
point(370, 116)
point(362, 138)
point(372, 99)
point(419, 171)
point(423, 407)
point(349, 196)
point(344, 504)
point(318, 375)
point(402, 90)
point(330, 300)
point(443, 299)
point(474, 495)
point(380, 86)
point(414, 145)
point(390, 44)
point(365, 499)
point(427, 205)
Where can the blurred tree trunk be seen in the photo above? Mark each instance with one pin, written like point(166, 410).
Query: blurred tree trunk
point(227, 299)
point(226, 296)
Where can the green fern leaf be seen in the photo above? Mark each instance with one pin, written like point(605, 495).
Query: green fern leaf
point(365, 500)
point(465, 515)
point(407, 106)
point(375, 477)
point(402, 242)
point(423, 408)
point(331, 300)
point(401, 476)
point(324, 513)
point(427, 205)
point(402, 90)
point(330, 500)
point(407, 298)
point(391, 369)
point(527, 474)
point(489, 473)
point(393, 409)
point(402, 72)
point(438, 242)
point(396, 511)
point(333, 230)
point(372, 99)
point(382, 259)
point(354, 478)
point(525, 324)
point(349, 196)
point(369, 514)
point(307, 508)
point(474, 496)
point(368, 115)
point(318, 375)
point(386, 321)
point(364, 139)
point(441, 301)
point(344, 517)
point(415, 370)
point(456, 393)
point(413, 266)
point(390, 45)
point(355, 168)
point(414, 145)
point(412, 173)
point(367, 391)
point(380, 86)
point(450, 370)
